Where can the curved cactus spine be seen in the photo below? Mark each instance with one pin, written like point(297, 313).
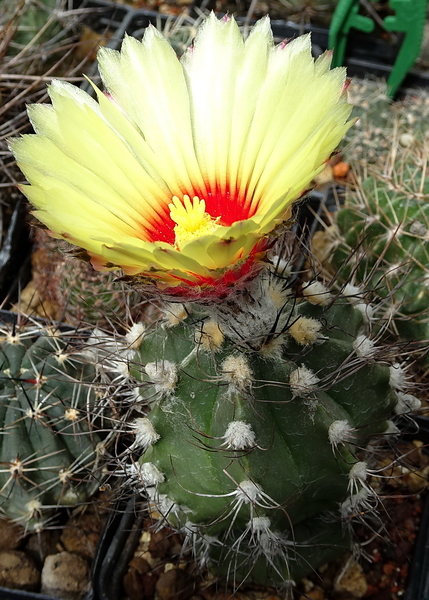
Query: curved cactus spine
point(49, 450)
point(254, 440)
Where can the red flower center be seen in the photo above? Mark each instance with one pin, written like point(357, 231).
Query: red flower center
point(226, 207)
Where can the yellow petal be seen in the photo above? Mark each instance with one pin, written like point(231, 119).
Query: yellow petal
point(38, 158)
point(79, 130)
point(150, 71)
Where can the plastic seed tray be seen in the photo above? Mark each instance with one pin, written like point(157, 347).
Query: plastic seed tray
point(14, 251)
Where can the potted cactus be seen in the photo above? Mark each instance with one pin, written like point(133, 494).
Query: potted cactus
point(242, 374)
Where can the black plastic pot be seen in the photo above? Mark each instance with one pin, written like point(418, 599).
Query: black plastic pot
point(418, 580)
point(15, 251)
point(6, 594)
point(116, 548)
point(418, 586)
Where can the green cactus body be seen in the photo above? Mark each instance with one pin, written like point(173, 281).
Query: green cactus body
point(47, 447)
point(387, 223)
point(251, 447)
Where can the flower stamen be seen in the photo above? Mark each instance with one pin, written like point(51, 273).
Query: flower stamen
point(192, 219)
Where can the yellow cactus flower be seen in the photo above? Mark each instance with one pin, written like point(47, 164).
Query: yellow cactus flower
point(181, 171)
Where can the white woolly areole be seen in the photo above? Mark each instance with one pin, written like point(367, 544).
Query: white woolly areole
point(145, 433)
point(392, 429)
point(306, 330)
point(277, 292)
point(282, 265)
point(210, 337)
point(303, 382)
point(166, 506)
point(398, 377)
point(406, 403)
point(134, 337)
point(34, 506)
point(259, 524)
point(247, 491)
point(317, 293)
point(353, 293)
point(122, 368)
point(14, 338)
point(70, 497)
point(355, 296)
point(163, 374)
point(174, 313)
point(150, 474)
point(134, 396)
point(236, 371)
point(359, 472)
point(364, 347)
point(339, 432)
point(190, 527)
point(352, 502)
point(239, 435)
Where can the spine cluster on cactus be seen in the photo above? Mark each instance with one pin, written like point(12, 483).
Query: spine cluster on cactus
point(48, 447)
point(260, 413)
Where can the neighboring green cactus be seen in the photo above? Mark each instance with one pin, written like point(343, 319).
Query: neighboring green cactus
point(310, 9)
point(70, 290)
point(259, 416)
point(382, 124)
point(380, 237)
point(317, 12)
point(48, 448)
point(180, 30)
point(35, 22)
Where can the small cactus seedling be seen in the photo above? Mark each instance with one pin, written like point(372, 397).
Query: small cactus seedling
point(49, 451)
point(260, 414)
point(379, 238)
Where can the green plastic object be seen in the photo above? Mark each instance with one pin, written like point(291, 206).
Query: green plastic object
point(409, 18)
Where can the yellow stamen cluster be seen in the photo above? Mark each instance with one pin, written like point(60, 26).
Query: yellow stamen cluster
point(191, 218)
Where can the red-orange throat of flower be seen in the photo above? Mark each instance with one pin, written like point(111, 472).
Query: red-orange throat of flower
point(192, 216)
